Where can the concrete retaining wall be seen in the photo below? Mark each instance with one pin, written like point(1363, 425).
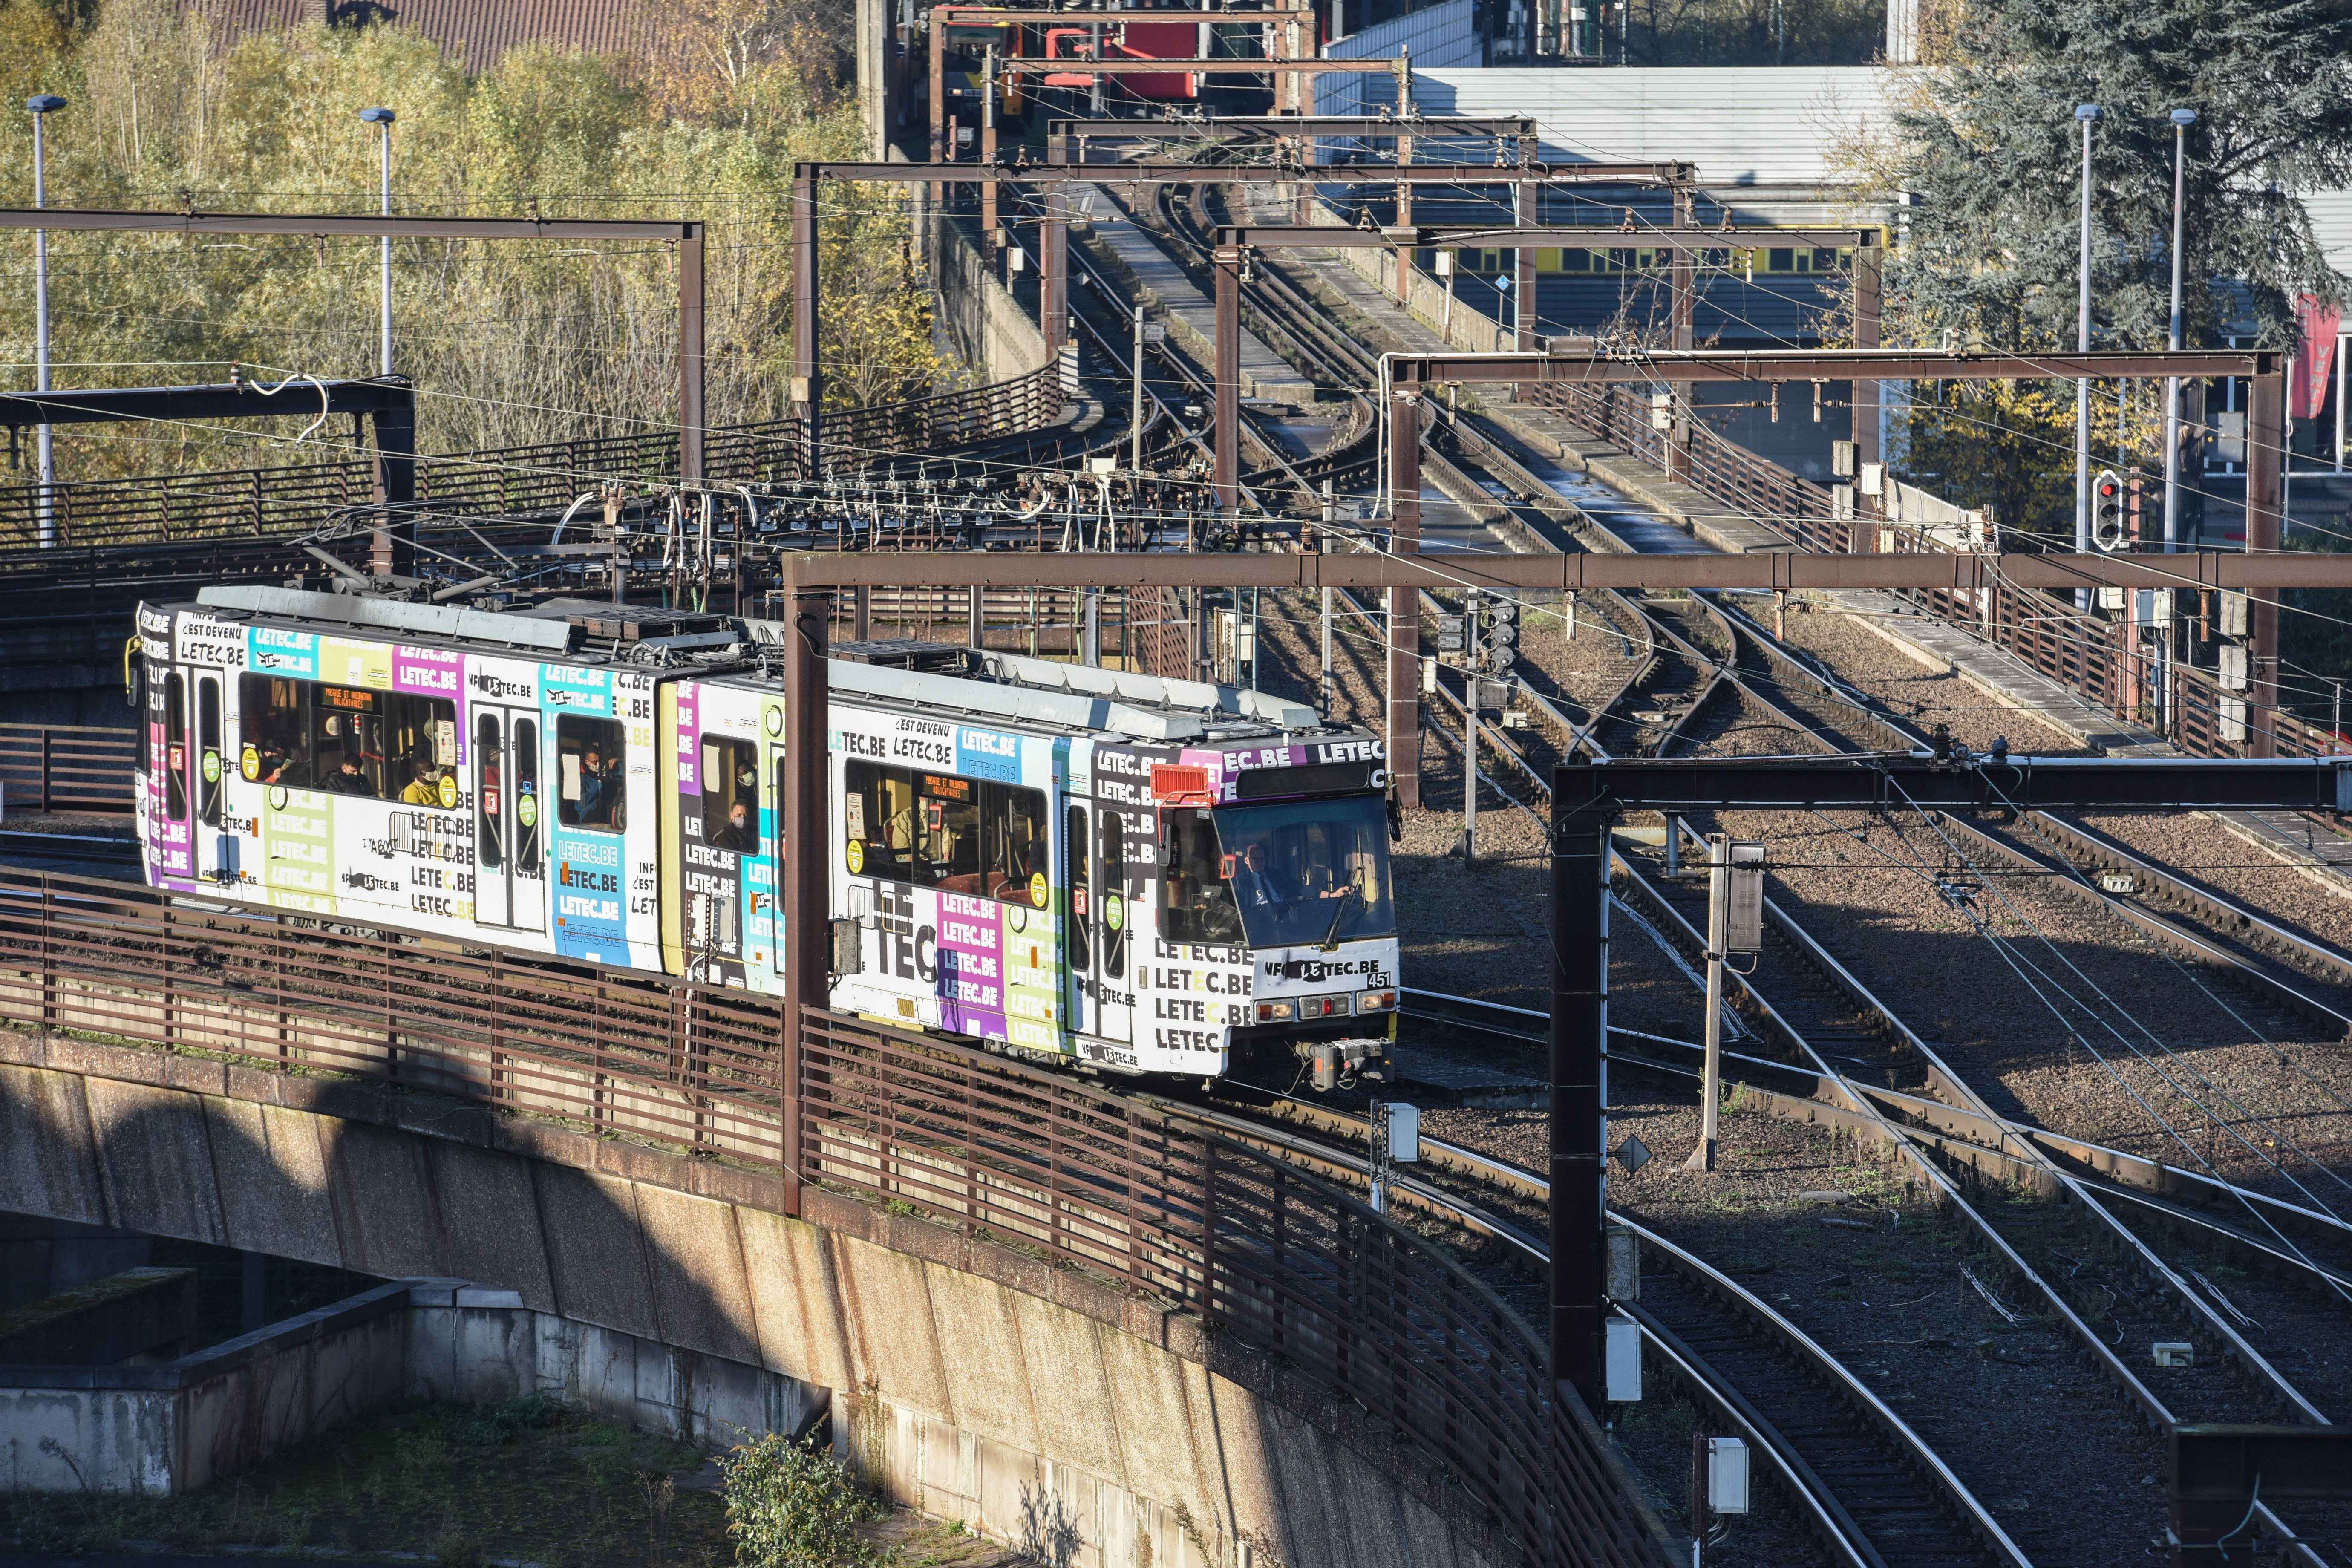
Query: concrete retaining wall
point(994, 332)
point(162, 1430)
point(1042, 1405)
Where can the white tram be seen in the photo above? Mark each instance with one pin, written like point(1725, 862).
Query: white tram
point(1147, 876)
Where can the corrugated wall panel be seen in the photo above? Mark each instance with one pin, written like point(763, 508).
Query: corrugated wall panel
point(1442, 35)
point(478, 31)
point(1741, 125)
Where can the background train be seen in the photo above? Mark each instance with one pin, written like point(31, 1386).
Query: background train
point(1142, 875)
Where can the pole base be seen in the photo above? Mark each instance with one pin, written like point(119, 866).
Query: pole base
point(1703, 1157)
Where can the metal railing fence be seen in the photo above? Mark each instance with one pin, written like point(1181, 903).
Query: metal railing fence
point(66, 767)
point(298, 498)
point(1277, 1258)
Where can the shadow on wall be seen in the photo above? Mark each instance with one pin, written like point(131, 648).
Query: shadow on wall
point(582, 1252)
point(1093, 1426)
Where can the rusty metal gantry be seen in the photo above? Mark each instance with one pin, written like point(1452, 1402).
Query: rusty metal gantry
point(1294, 60)
point(1586, 798)
point(686, 234)
point(1409, 376)
point(807, 387)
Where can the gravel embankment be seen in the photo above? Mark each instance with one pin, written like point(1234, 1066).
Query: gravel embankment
point(1854, 1256)
point(1925, 695)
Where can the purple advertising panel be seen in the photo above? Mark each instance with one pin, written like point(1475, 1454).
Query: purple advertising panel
point(971, 957)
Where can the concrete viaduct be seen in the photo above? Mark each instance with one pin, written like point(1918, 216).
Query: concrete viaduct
point(1033, 1402)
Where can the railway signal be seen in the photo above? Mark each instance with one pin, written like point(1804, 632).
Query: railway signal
point(2108, 527)
point(1500, 636)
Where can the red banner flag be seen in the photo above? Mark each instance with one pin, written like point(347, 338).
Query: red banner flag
point(2315, 356)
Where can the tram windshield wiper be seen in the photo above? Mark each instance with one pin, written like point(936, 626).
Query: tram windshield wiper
point(1354, 895)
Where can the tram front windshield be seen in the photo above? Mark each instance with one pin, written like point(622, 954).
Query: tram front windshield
point(1290, 875)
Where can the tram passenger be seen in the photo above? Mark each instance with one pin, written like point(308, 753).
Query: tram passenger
point(347, 779)
point(423, 788)
point(739, 834)
point(597, 788)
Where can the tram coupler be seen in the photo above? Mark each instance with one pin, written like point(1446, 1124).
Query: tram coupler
point(1345, 1061)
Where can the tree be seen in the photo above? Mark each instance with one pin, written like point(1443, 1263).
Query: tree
point(1985, 154)
point(1989, 150)
point(511, 342)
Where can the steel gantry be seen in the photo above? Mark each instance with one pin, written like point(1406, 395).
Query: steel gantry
point(1587, 799)
point(1409, 375)
point(1291, 58)
point(686, 234)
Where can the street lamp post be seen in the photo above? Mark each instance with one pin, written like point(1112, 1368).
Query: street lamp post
point(2088, 114)
point(382, 119)
point(42, 106)
point(2182, 119)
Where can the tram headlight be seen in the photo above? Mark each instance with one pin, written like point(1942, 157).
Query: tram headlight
point(1323, 1007)
point(1376, 1002)
point(1276, 1012)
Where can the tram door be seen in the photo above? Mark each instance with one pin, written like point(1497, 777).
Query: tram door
point(1094, 951)
point(509, 860)
point(1115, 992)
point(775, 849)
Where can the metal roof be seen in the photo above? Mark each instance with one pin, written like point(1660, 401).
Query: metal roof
point(1741, 125)
point(479, 32)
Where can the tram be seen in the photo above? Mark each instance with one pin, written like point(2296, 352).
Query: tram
point(1131, 874)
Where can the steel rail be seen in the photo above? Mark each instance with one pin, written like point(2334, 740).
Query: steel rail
point(1910, 1143)
point(1828, 1514)
point(1963, 1094)
point(2265, 1375)
point(2115, 1172)
point(2225, 919)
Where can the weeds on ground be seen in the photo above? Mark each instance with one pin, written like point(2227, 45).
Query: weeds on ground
point(528, 1479)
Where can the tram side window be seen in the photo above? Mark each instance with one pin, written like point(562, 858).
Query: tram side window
point(936, 830)
point(526, 759)
point(1081, 870)
point(730, 794)
point(1198, 904)
point(209, 752)
point(175, 746)
point(589, 773)
point(1113, 915)
point(375, 745)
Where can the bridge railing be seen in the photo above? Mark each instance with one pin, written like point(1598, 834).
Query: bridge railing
point(2090, 656)
point(298, 498)
point(67, 768)
point(1279, 1260)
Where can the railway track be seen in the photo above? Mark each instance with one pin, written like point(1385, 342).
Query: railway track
point(1853, 1045)
point(1872, 1491)
point(1707, 668)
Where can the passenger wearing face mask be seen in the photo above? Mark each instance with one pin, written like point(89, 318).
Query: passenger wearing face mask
point(739, 834)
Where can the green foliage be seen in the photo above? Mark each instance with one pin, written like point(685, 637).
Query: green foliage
point(511, 341)
point(1990, 151)
point(793, 1505)
point(524, 1479)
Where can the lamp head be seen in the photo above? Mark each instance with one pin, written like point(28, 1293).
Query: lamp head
point(2184, 118)
point(378, 116)
point(45, 102)
point(2089, 111)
